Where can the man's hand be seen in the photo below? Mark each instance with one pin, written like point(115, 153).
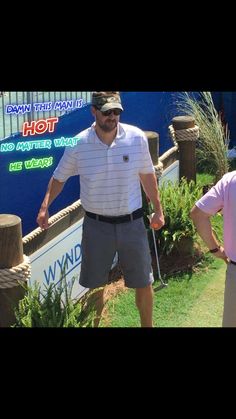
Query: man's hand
point(156, 220)
point(202, 223)
point(54, 189)
point(221, 254)
point(42, 218)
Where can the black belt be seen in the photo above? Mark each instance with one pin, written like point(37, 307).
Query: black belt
point(234, 263)
point(117, 220)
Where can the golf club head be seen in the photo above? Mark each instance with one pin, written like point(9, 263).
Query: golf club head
point(160, 287)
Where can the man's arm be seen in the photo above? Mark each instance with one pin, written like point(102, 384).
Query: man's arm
point(150, 187)
point(202, 223)
point(54, 189)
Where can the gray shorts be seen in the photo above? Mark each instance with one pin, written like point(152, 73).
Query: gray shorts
point(101, 241)
point(229, 315)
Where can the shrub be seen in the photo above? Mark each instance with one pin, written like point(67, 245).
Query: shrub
point(177, 200)
point(52, 307)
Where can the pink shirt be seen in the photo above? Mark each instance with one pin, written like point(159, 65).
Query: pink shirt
point(223, 195)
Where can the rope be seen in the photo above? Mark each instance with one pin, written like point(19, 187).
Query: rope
point(168, 153)
point(172, 134)
point(52, 220)
point(189, 134)
point(12, 277)
point(159, 169)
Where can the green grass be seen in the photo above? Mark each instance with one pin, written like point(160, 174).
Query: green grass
point(193, 299)
point(190, 300)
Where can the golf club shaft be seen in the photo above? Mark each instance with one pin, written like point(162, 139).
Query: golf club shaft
point(157, 259)
point(155, 247)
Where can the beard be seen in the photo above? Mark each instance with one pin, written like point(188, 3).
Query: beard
point(109, 126)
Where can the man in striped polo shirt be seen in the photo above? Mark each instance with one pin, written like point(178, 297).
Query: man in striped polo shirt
point(112, 159)
point(221, 196)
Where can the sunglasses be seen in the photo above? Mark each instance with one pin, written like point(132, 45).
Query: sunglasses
point(115, 111)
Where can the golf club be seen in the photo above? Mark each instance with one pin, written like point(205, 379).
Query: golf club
point(155, 245)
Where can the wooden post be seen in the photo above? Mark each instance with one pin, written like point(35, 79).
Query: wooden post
point(153, 142)
point(187, 149)
point(11, 254)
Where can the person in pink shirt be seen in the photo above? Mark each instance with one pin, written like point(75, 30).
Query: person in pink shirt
point(222, 196)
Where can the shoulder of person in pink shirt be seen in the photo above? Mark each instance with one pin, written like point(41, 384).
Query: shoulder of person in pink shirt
point(214, 200)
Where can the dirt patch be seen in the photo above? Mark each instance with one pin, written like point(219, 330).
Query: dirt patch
point(178, 262)
point(114, 288)
point(95, 301)
point(110, 292)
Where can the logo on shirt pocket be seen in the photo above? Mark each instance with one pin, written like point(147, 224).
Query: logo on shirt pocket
point(126, 159)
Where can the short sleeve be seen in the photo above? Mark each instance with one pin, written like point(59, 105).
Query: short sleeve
point(146, 165)
point(67, 166)
point(213, 200)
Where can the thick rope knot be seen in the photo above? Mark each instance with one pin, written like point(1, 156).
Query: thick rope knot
point(189, 134)
point(12, 277)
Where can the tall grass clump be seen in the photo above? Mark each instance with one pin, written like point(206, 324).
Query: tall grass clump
point(52, 306)
point(213, 143)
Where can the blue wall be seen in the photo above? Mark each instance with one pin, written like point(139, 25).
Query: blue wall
point(21, 193)
point(226, 103)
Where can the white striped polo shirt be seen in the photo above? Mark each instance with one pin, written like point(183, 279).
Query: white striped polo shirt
point(109, 175)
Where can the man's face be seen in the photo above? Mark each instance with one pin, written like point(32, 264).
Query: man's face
point(108, 120)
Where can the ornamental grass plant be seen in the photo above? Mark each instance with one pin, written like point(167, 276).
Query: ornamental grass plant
point(212, 146)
